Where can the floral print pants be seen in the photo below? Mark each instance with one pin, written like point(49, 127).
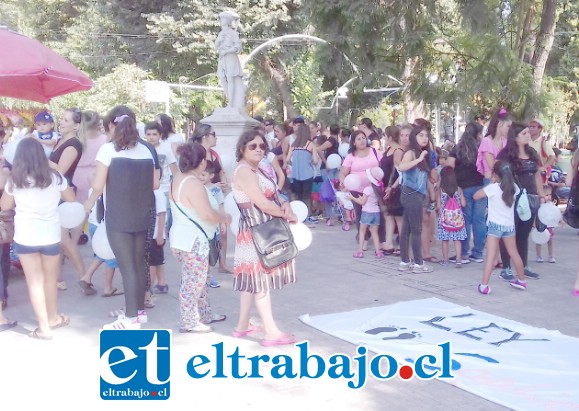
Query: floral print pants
point(193, 296)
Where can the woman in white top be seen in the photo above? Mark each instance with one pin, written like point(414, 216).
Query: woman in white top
point(196, 216)
point(36, 190)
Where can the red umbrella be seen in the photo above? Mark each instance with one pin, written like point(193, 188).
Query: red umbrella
point(31, 71)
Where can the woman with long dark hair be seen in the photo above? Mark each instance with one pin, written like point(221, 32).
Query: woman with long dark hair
point(168, 131)
point(463, 159)
point(128, 168)
point(36, 189)
point(415, 168)
point(526, 165)
point(302, 157)
point(360, 158)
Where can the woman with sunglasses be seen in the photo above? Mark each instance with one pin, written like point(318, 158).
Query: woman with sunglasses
point(205, 135)
point(256, 196)
point(65, 157)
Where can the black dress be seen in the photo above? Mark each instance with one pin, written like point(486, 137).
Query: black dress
point(56, 154)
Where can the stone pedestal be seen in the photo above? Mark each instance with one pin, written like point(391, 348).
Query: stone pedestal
point(228, 123)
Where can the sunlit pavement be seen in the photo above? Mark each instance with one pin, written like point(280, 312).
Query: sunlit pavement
point(64, 372)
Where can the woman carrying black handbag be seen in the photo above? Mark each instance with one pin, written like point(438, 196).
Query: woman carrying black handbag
point(256, 196)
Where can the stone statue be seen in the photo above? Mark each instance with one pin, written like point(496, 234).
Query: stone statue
point(229, 71)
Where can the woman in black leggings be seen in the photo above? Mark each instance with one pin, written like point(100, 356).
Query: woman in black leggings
point(127, 170)
point(525, 163)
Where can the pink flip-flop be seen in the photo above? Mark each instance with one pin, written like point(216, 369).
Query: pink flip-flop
point(284, 340)
point(250, 330)
point(576, 293)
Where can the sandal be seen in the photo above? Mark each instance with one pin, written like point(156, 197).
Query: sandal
point(87, 288)
point(34, 334)
point(64, 321)
point(379, 254)
point(346, 226)
point(358, 254)
point(431, 259)
point(215, 318)
point(388, 251)
point(250, 330)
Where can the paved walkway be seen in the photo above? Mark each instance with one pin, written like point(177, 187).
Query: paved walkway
point(65, 372)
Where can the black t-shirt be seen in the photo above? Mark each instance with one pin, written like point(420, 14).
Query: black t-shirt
point(333, 149)
point(467, 175)
point(524, 171)
point(56, 154)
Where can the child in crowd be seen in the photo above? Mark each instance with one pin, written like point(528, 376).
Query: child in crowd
point(156, 254)
point(44, 133)
point(85, 282)
point(167, 161)
point(501, 195)
point(346, 207)
point(217, 193)
point(370, 218)
point(451, 225)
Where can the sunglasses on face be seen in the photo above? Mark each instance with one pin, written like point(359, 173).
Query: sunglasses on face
point(253, 146)
point(211, 134)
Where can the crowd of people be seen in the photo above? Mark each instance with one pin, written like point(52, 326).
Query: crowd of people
point(146, 185)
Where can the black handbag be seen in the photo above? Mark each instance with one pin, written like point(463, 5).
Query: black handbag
point(214, 243)
point(571, 214)
point(274, 242)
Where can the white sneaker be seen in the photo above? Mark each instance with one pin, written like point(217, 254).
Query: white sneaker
point(404, 266)
point(123, 323)
point(141, 315)
point(420, 269)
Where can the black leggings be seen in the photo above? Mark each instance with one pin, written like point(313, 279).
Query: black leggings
point(522, 232)
point(302, 190)
point(412, 203)
point(129, 249)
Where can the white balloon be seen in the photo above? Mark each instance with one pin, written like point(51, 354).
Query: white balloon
point(302, 235)
point(230, 206)
point(343, 149)
point(100, 243)
point(549, 214)
point(541, 238)
point(71, 214)
point(300, 209)
point(333, 161)
point(352, 182)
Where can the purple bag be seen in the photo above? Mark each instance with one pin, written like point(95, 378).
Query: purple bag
point(327, 194)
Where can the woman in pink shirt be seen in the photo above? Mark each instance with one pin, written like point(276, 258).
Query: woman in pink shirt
point(495, 141)
point(361, 157)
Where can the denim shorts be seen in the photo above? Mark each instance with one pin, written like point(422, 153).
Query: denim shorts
point(370, 218)
point(51, 249)
point(499, 231)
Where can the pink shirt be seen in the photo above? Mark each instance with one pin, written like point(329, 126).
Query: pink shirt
point(487, 146)
point(371, 205)
point(359, 165)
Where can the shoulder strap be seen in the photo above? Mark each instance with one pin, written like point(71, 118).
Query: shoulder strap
point(185, 214)
point(181, 186)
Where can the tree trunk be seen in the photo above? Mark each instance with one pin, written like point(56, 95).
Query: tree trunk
point(544, 42)
point(412, 109)
point(528, 11)
point(280, 83)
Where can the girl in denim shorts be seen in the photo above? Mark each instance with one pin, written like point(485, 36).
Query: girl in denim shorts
point(371, 213)
point(501, 193)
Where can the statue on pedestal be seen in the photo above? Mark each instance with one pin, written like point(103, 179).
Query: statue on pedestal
point(229, 71)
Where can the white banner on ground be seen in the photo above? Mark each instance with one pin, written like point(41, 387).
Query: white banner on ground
point(504, 361)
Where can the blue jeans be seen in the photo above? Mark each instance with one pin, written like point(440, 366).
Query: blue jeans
point(475, 215)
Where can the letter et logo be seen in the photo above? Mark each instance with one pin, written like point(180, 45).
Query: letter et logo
point(135, 364)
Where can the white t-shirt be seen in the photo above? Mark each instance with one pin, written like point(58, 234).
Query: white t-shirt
point(175, 139)
point(37, 222)
point(499, 212)
point(160, 207)
point(166, 158)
